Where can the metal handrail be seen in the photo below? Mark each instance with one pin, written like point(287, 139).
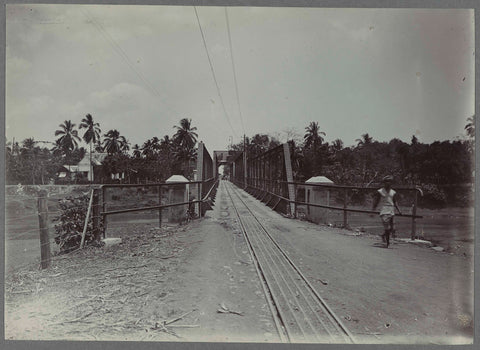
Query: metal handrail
point(150, 185)
point(149, 208)
point(352, 210)
point(399, 188)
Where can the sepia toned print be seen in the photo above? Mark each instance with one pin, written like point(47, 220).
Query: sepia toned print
point(239, 174)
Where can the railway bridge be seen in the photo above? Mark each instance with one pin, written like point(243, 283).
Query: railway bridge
point(320, 282)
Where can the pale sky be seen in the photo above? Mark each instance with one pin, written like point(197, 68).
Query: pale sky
point(140, 69)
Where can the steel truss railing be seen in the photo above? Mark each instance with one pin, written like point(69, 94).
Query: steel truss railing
point(272, 193)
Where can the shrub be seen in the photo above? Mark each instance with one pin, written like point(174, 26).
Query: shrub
point(433, 197)
point(71, 222)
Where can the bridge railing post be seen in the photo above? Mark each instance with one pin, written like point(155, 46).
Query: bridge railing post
point(104, 216)
point(160, 203)
point(96, 214)
point(295, 210)
point(414, 213)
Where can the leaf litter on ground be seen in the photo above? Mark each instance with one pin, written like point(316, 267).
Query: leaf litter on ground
point(114, 283)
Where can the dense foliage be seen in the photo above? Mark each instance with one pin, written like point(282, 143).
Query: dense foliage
point(154, 161)
point(444, 170)
point(71, 222)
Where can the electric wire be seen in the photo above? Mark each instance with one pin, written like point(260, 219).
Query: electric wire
point(213, 72)
point(117, 48)
point(234, 70)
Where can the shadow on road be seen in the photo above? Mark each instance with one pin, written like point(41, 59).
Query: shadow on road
point(380, 245)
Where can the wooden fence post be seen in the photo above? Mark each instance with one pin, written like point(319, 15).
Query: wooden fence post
point(96, 214)
point(43, 224)
point(345, 213)
point(87, 217)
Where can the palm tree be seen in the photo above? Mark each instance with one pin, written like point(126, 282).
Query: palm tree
point(30, 151)
point(125, 144)
point(114, 142)
point(313, 136)
point(470, 127)
point(365, 152)
point(186, 135)
point(136, 151)
point(91, 136)
point(337, 145)
point(166, 144)
point(69, 138)
point(364, 141)
point(147, 149)
point(99, 147)
point(313, 140)
point(184, 156)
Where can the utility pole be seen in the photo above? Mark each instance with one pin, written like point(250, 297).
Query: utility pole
point(244, 161)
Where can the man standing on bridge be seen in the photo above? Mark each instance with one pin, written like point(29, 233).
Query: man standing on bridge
point(389, 202)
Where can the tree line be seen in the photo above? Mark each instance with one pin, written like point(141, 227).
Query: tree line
point(35, 162)
point(443, 169)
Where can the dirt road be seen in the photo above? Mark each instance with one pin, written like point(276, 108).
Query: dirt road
point(403, 294)
point(197, 283)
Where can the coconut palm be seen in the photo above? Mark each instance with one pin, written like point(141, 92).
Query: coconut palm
point(313, 142)
point(114, 143)
point(69, 138)
point(155, 144)
point(136, 151)
point(125, 145)
point(364, 141)
point(147, 149)
point(30, 151)
point(166, 144)
point(470, 127)
point(186, 135)
point(313, 136)
point(91, 135)
point(337, 145)
point(185, 156)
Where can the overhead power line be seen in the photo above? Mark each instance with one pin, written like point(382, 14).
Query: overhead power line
point(117, 48)
point(213, 73)
point(233, 68)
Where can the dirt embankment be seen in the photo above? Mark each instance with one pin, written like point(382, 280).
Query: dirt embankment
point(158, 285)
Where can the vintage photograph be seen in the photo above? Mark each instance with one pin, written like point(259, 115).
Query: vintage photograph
point(239, 174)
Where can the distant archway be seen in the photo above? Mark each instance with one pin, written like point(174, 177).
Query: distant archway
point(225, 158)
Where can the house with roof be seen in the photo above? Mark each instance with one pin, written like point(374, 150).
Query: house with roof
point(89, 168)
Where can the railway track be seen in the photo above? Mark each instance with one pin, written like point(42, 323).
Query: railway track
point(300, 314)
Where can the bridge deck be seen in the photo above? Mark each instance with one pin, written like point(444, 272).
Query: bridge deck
point(377, 293)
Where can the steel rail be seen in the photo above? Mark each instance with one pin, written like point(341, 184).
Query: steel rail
point(287, 269)
point(282, 292)
point(336, 318)
point(333, 319)
point(269, 296)
point(287, 266)
point(294, 281)
point(289, 280)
